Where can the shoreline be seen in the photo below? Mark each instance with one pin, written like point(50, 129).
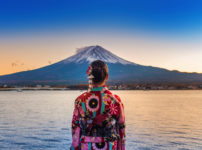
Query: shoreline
point(67, 89)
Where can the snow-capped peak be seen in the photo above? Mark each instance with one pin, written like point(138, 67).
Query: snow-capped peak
point(91, 53)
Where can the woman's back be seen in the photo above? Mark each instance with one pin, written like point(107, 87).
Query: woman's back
point(98, 121)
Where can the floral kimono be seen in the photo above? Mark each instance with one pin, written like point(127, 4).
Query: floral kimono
point(98, 121)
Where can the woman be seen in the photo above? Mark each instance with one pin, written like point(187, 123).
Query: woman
point(98, 121)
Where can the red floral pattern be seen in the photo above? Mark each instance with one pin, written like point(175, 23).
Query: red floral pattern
point(98, 121)
point(113, 109)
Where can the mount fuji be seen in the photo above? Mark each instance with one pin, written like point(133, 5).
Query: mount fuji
point(72, 71)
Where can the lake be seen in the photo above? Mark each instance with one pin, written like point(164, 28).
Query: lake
point(156, 120)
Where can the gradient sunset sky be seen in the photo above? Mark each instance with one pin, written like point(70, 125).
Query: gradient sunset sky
point(161, 33)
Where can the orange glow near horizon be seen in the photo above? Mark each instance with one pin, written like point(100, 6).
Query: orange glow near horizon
point(21, 54)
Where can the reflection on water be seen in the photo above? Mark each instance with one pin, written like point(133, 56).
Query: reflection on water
point(154, 119)
point(163, 119)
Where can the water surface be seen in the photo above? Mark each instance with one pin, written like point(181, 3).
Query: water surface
point(155, 120)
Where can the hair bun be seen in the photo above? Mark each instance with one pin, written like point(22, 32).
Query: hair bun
point(96, 68)
point(99, 71)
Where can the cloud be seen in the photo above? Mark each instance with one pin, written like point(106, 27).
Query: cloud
point(14, 64)
point(17, 63)
point(80, 49)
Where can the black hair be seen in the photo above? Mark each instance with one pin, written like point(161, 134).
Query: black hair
point(99, 71)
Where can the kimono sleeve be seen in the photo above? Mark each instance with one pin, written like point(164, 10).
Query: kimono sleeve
point(121, 125)
point(75, 127)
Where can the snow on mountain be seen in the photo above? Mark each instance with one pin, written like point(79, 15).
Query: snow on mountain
point(92, 53)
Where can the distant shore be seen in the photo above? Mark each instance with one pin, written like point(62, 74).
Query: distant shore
point(120, 86)
point(31, 89)
point(20, 89)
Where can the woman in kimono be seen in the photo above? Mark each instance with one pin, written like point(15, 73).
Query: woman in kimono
point(98, 121)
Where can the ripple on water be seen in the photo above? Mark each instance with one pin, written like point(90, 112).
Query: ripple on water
point(46, 130)
point(51, 140)
point(32, 138)
point(144, 148)
point(19, 143)
point(172, 132)
point(39, 146)
point(64, 129)
point(176, 143)
point(43, 134)
point(138, 141)
point(177, 132)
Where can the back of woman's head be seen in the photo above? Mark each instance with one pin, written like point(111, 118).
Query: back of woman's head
point(99, 71)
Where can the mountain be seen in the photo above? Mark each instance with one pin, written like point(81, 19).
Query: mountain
point(72, 71)
point(91, 53)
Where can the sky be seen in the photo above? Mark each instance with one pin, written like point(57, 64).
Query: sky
point(160, 33)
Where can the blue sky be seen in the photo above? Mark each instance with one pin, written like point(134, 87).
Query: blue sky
point(113, 24)
point(154, 15)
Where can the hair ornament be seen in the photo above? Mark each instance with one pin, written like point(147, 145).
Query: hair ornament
point(90, 77)
point(89, 70)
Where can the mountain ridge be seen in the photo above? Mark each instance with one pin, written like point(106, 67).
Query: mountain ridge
point(72, 71)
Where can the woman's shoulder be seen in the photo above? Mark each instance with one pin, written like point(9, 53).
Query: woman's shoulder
point(117, 97)
point(114, 96)
point(82, 96)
